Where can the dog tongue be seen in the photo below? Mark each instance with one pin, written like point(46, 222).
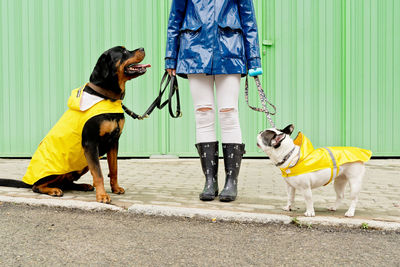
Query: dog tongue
point(142, 66)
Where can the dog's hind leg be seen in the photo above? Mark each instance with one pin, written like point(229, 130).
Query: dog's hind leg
point(52, 191)
point(355, 188)
point(355, 176)
point(71, 185)
point(48, 185)
point(339, 185)
point(290, 197)
point(80, 187)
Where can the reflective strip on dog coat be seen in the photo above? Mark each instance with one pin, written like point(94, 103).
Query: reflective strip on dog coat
point(322, 158)
point(61, 151)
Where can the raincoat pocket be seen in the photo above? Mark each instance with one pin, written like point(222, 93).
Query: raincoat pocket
point(188, 46)
point(231, 41)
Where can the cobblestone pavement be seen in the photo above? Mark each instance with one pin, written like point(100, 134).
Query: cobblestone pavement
point(177, 183)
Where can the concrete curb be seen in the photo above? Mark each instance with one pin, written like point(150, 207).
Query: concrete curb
point(232, 216)
point(218, 215)
point(208, 214)
point(351, 223)
point(71, 204)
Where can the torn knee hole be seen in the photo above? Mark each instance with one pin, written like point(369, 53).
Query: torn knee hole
point(204, 109)
point(226, 110)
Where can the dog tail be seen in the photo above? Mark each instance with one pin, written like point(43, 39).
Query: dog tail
point(14, 183)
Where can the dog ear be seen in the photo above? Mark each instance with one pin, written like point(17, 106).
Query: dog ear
point(288, 129)
point(102, 69)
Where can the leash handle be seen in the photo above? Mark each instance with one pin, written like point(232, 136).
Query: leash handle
point(263, 98)
point(174, 89)
point(173, 84)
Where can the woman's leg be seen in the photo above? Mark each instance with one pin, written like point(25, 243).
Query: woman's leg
point(202, 89)
point(228, 87)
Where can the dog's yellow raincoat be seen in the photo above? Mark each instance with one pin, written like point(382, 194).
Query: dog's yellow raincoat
point(322, 158)
point(61, 151)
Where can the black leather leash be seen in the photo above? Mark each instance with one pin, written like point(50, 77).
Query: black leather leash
point(174, 90)
point(131, 113)
point(170, 81)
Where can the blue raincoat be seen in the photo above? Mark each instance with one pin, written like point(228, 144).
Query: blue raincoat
point(212, 37)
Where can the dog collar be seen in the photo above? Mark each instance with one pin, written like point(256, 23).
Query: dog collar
point(285, 158)
point(106, 94)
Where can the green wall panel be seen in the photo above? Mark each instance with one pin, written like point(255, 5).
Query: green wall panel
point(372, 75)
point(331, 67)
point(49, 47)
point(303, 66)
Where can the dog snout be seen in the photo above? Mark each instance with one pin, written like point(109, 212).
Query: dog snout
point(139, 51)
point(138, 54)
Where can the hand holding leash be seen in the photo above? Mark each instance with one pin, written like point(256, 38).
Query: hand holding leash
point(171, 72)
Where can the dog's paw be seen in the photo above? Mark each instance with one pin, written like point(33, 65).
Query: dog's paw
point(103, 198)
point(118, 190)
point(333, 208)
point(309, 213)
point(56, 192)
point(349, 213)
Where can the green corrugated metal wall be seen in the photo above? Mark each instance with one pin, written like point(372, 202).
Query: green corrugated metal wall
point(372, 72)
point(331, 66)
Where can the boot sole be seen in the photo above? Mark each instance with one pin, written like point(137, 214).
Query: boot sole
point(226, 199)
point(208, 197)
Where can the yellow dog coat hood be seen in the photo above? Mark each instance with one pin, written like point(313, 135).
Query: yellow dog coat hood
point(322, 158)
point(61, 151)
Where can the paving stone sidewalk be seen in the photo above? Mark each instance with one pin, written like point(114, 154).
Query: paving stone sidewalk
point(177, 183)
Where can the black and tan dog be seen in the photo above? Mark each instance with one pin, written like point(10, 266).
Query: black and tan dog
point(90, 128)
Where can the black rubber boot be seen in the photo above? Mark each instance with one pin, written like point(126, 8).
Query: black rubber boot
point(233, 154)
point(208, 153)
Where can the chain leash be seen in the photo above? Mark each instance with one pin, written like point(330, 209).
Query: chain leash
point(263, 98)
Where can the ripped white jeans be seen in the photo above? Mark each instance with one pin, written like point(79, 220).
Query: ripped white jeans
point(227, 91)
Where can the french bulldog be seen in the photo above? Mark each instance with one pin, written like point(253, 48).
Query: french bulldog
point(305, 168)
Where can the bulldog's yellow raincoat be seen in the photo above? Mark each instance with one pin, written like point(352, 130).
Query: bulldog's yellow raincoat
point(61, 151)
point(322, 158)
